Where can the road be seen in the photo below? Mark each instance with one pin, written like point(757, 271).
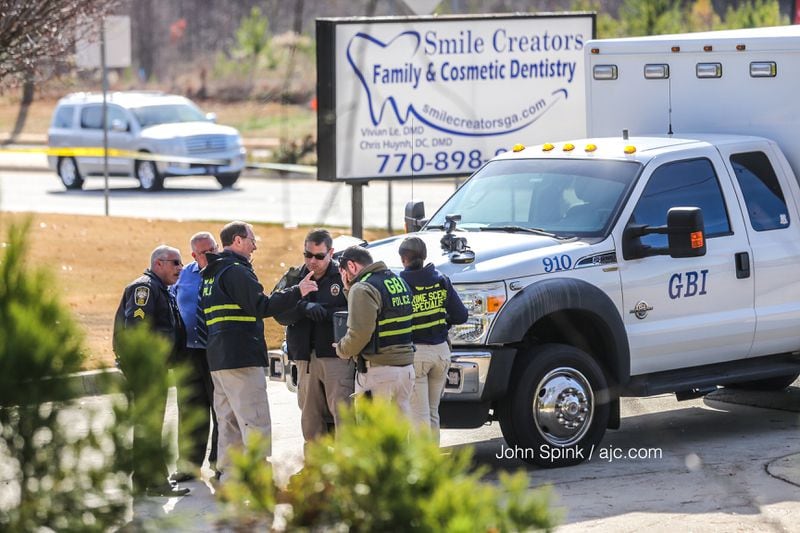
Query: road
point(704, 465)
point(286, 199)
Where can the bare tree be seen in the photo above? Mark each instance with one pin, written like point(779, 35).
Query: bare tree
point(37, 32)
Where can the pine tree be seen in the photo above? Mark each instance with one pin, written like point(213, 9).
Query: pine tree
point(68, 462)
point(62, 478)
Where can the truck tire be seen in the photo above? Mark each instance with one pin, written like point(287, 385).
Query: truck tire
point(150, 179)
point(768, 384)
point(557, 408)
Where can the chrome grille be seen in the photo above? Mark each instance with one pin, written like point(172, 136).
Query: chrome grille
point(205, 143)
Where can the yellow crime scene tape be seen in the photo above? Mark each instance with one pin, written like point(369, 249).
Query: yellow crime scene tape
point(148, 156)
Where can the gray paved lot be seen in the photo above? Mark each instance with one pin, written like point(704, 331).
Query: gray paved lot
point(259, 197)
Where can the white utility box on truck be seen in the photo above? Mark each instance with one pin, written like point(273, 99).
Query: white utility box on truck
point(661, 259)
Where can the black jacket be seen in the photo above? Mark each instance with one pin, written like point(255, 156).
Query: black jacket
point(302, 333)
point(147, 300)
point(436, 304)
point(235, 305)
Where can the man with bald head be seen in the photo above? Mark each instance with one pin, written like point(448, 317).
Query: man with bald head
point(147, 301)
point(197, 393)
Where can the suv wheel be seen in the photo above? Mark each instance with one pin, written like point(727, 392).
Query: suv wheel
point(69, 173)
point(149, 177)
point(227, 180)
point(558, 408)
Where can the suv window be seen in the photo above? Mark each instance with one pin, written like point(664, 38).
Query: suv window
point(763, 196)
point(63, 117)
point(92, 116)
point(691, 183)
point(167, 114)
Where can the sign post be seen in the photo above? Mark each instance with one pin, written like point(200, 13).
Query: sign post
point(110, 49)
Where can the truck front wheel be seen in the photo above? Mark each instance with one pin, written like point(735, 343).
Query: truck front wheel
point(558, 407)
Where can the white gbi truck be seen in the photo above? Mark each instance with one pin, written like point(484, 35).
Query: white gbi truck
point(660, 255)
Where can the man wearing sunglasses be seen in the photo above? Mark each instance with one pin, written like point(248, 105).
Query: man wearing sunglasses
point(148, 301)
point(323, 380)
point(234, 306)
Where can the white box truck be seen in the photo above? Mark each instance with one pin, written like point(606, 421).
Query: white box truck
point(661, 259)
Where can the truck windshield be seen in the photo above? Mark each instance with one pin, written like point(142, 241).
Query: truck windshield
point(165, 114)
point(562, 197)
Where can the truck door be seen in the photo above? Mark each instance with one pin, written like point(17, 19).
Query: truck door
point(689, 311)
point(761, 178)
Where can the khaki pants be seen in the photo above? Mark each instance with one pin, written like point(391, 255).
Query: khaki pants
point(431, 362)
point(393, 383)
point(323, 383)
point(240, 400)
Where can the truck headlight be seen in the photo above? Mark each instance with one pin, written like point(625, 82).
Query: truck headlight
point(483, 302)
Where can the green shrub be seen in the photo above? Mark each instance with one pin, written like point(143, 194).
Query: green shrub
point(379, 475)
point(143, 358)
point(67, 463)
point(61, 478)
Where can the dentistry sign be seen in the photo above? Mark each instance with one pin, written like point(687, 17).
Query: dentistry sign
point(440, 96)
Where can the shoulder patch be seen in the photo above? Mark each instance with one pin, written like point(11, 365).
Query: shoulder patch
point(335, 289)
point(141, 295)
point(291, 278)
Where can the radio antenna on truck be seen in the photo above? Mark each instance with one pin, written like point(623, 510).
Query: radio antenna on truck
point(669, 105)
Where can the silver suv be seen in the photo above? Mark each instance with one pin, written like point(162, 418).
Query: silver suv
point(151, 123)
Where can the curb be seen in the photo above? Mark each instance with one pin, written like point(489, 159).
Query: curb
point(18, 167)
point(93, 382)
point(40, 140)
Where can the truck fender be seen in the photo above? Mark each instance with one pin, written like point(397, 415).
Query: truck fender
point(543, 298)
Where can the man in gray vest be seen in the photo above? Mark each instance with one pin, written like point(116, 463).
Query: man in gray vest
point(379, 324)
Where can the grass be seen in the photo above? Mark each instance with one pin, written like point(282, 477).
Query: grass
point(39, 115)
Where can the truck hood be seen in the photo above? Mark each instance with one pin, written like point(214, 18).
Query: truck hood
point(498, 255)
point(186, 129)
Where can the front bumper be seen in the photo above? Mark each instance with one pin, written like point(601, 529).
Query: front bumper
point(484, 371)
point(465, 382)
point(474, 375)
point(466, 377)
point(237, 163)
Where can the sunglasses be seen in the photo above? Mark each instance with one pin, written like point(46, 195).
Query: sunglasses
point(176, 262)
point(318, 257)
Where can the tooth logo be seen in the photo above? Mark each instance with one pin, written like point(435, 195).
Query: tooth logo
point(381, 56)
point(391, 71)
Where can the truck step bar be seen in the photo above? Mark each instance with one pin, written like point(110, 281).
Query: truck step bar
point(707, 376)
